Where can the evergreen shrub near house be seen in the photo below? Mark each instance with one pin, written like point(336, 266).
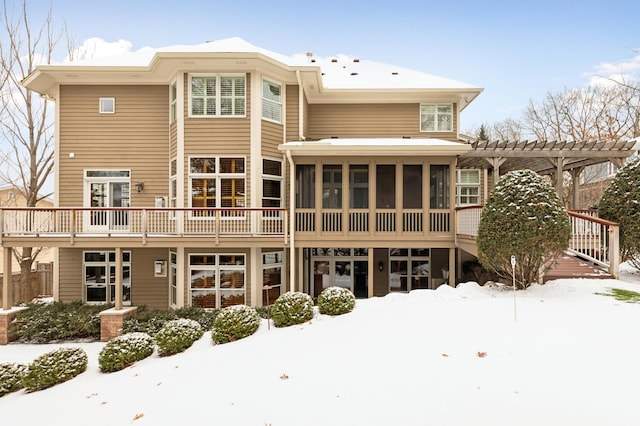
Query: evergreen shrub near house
point(150, 321)
point(292, 308)
point(523, 217)
point(235, 323)
point(11, 375)
point(122, 351)
point(54, 367)
point(177, 335)
point(620, 203)
point(336, 301)
point(46, 322)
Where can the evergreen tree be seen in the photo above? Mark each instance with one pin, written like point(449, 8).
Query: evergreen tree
point(523, 217)
point(483, 133)
point(620, 203)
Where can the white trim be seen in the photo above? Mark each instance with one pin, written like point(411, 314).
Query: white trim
point(377, 147)
point(435, 118)
point(218, 77)
point(278, 104)
point(217, 268)
point(217, 176)
point(104, 107)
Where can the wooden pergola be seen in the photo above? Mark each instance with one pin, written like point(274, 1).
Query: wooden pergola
point(551, 158)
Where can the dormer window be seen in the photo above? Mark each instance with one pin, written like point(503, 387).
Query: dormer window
point(436, 117)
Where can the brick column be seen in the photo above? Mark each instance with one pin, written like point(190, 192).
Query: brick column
point(112, 321)
point(6, 316)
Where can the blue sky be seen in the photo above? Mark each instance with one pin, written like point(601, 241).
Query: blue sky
point(516, 51)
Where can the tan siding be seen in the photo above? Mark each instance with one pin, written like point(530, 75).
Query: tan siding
point(368, 120)
point(173, 140)
point(292, 113)
point(271, 138)
point(138, 130)
point(70, 261)
point(146, 288)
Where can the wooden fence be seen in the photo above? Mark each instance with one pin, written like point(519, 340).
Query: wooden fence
point(41, 284)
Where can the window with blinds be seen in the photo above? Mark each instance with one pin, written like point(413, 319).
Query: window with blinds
point(436, 117)
point(217, 95)
point(271, 101)
point(217, 182)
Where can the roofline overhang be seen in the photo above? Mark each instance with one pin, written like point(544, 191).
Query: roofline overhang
point(375, 147)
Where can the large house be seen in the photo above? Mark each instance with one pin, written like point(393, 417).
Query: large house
point(224, 173)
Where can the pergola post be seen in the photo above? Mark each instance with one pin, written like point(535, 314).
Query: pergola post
point(575, 181)
point(495, 163)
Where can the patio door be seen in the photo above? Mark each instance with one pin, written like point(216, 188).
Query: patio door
point(107, 189)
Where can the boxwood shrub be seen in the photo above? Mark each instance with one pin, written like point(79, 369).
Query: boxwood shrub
point(122, 351)
point(11, 375)
point(150, 321)
point(177, 335)
point(234, 323)
point(292, 308)
point(336, 301)
point(54, 367)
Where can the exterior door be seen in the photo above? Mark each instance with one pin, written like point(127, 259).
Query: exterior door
point(109, 194)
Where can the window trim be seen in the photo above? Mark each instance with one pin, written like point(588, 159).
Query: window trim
point(460, 185)
point(218, 97)
point(278, 104)
point(276, 178)
point(217, 176)
point(217, 267)
point(103, 104)
point(107, 264)
point(173, 102)
point(435, 118)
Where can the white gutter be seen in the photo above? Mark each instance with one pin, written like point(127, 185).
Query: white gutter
point(292, 222)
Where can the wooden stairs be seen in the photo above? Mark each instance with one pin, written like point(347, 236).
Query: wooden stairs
point(570, 266)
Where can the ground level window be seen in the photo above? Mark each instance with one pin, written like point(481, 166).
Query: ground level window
point(272, 267)
point(409, 269)
point(217, 280)
point(340, 267)
point(100, 276)
point(173, 275)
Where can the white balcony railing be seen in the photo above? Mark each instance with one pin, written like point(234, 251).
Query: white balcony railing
point(258, 222)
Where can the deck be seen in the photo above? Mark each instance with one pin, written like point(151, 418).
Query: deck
point(570, 266)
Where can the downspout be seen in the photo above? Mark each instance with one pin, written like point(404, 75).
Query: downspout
point(300, 107)
point(292, 228)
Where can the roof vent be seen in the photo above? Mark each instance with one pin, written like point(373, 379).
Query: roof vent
point(334, 60)
point(354, 73)
point(356, 60)
point(394, 73)
point(313, 61)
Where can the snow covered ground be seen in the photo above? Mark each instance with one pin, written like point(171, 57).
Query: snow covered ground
point(430, 357)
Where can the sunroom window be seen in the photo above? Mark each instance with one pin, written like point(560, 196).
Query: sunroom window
point(436, 117)
point(216, 95)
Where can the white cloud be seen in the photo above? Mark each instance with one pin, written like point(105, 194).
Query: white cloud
point(608, 73)
point(96, 47)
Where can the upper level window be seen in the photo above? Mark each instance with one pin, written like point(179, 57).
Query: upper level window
point(173, 100)
point(216, 95)
point(436, 117)
point(467, 187)
point(271, 183)
point(271, 101)
point(107, 105)
point(217, 182)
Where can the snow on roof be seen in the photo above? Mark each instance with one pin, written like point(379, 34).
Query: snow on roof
point(338, 72)
point(376, 146)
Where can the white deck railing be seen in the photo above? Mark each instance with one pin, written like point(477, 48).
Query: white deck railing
point(259, 222)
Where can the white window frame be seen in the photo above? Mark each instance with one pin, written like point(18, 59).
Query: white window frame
point(463, 184)
point(436, 114)
point(273, 103)
point(173, 102)
point(107, 105)
point(218, 96)
point(217, 268)
point(107, 264)
point(219, 176)
point(173, 274)
point(273, 260)
point(275, 178)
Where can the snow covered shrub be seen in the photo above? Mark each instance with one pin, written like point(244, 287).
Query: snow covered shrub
point(523, 217)
point(234, 323)
point(122, 351)
point(54, 367)
point(150, 321)
point(620, 203)
point(336, 301)
point(177, 335)
point(204, 317)
point(11, 375)
point(43, 323)
point(292, 308)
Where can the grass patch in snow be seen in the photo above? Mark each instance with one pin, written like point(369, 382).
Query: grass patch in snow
point(623, 295)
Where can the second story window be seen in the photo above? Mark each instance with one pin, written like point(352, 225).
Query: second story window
point(468, 187)
point(217, 182)
point(436, 117)
point(271, 101)
point(173, 99)
point(271, 183)
point(216, 95)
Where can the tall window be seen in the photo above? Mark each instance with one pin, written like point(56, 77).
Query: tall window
point(436, 117)
point(386, 186)
point(271, 101)
point(107, 188)
point(173, 276)
point(439, 187)
point(305, 186)
point(100, 276)
point(272, 267)
point(271, 183)
point(359, 186)
point(467, 187)
point(217, 280)
point(332, 187)
point(412, 186)
point(173, 183)
point(217, 181)
point(173, 100)
point(217, 95)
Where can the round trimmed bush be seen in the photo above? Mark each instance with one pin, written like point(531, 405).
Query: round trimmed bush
point(122, 351)
point(11, 375)
point(176, 336)
point(234, 323)
point(292, 308)
point(336, 301)
point(54, 367)
point(620, 203)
